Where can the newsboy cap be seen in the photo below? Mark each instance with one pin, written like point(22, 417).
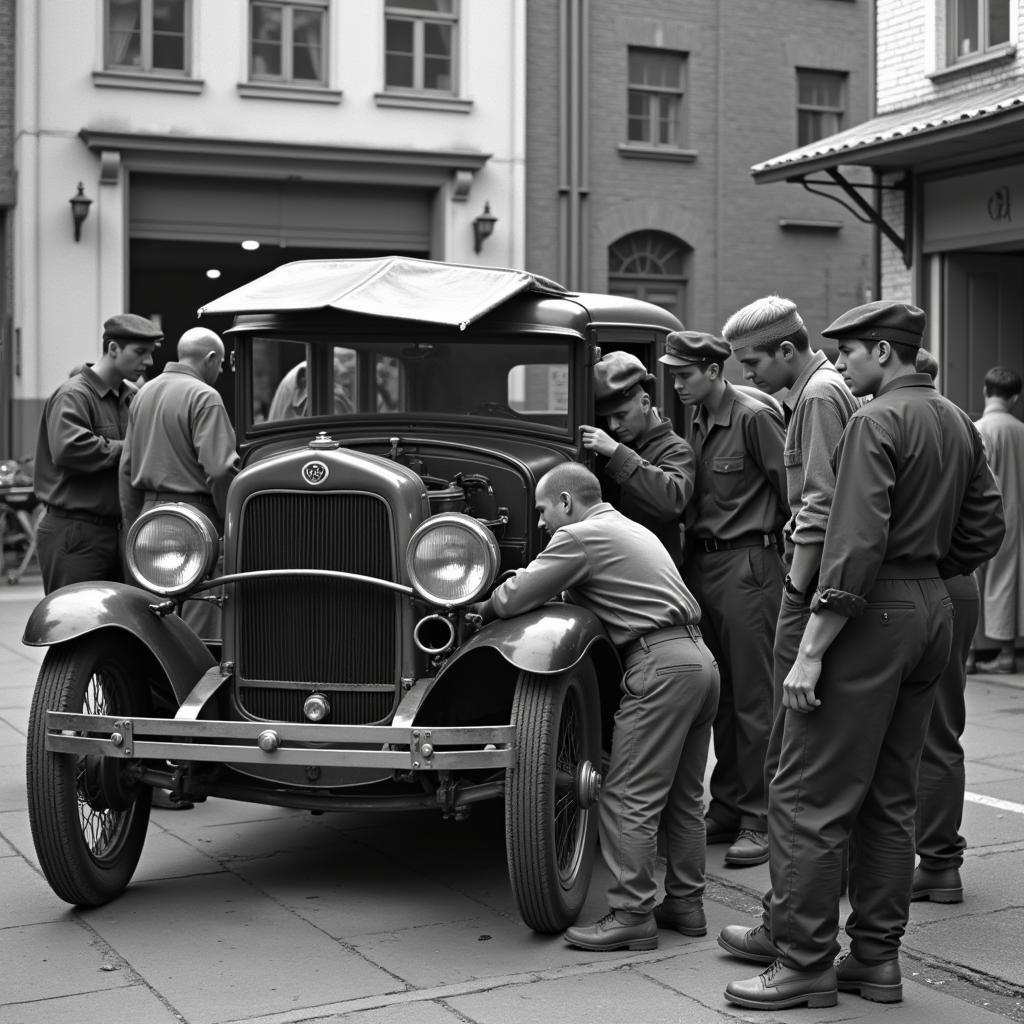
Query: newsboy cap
point(882, 320)
point(128, 328)
point(684, 348)
point(614, 374)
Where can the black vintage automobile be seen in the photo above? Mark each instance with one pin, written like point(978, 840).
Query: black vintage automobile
point(393, 417)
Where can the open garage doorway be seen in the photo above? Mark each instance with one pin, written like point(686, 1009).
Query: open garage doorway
point(170, 280)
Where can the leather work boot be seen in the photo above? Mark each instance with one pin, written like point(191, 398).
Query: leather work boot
point(750, 848)
point(749, 944)
point(1002, 665)
point(938, 886)
point(687, 920)
point(719, 832)
point(615, 932)
point(881, 983)
point(779, 986)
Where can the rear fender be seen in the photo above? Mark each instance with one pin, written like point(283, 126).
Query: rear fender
point(84, 608)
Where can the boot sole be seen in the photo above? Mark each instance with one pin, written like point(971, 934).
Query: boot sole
point(750, 958)
point(812, 1000)
point(733, 862)
point(874, 993)
point(694, 933)
point(938, 895)
point(636, 944)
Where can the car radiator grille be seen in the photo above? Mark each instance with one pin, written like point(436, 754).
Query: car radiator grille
point(296, 635)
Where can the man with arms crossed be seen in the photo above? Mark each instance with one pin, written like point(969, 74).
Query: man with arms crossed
point(616, 568)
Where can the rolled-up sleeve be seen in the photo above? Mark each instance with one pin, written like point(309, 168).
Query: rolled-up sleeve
point(858, 527)
point(660, 490)
point(561, 565)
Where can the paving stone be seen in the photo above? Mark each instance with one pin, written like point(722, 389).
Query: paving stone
point(135, 1005)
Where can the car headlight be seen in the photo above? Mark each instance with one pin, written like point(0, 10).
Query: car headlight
point(452, 559)
point(170, 548)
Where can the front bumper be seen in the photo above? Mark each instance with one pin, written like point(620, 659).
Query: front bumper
point(398, 748)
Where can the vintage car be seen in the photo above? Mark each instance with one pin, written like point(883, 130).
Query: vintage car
point(393, 416)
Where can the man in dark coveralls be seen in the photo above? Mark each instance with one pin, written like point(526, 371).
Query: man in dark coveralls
point(734, 570)
point(914, 502)
point(77, 452)
point(646, 469)
point(614, 566)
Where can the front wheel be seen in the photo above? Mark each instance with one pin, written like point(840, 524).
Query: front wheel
point(88, 820)
point(550, 795)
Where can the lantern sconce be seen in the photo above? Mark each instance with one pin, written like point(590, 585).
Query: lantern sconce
point(483, 226)
point(80, 204)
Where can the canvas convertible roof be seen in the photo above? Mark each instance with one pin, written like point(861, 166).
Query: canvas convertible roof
point(390, 286)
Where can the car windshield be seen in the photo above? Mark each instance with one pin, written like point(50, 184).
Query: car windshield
point(524, 380)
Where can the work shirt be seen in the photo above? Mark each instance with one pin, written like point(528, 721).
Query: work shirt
point(180, 440)
point(912, 485)
point(817, 409)
point(609, 564)
point(741, 477)
point(81, 435)
point(653, 483)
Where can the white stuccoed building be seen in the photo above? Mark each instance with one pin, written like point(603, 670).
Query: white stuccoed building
point(316, 128)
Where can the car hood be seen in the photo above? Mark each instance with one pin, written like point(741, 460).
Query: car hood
point(397, 287)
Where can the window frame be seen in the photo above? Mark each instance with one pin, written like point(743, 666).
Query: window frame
point(287, 77)
point(839, 111)
point(652, 119)
point(985, 45)
point(146, 30)
point(393, 10)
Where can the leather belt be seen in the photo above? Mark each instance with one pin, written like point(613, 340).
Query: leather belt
point(745, 540)
point(658, 636)
point(82, 517)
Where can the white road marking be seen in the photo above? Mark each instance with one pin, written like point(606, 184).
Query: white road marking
point(991, 801)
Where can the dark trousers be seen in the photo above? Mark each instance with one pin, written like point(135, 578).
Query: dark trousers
point(75, 551)
point(941, 780)
point(656, 772)
point(848, 771)
point(738, 592)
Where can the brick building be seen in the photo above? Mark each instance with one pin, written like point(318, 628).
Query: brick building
point(945, 152)
point(644, 120)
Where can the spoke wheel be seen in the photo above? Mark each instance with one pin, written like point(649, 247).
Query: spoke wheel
point(550, 833)
point(88, 823)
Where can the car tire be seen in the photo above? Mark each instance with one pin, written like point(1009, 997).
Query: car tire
point(550, 834)
point(88, 834)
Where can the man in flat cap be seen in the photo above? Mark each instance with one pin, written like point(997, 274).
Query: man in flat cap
point(769, 340)
point(646, 469)
point(734, 569)
point(914, 502)
point(605, 562)
point(180, 447)
point(81, 435)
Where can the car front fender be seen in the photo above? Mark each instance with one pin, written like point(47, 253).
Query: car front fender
point(83, 608)
point(547, 640)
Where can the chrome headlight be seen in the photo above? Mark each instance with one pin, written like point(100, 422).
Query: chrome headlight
point(170, 548)
point(452, 559)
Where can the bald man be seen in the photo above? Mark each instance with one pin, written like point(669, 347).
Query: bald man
point(180, 446)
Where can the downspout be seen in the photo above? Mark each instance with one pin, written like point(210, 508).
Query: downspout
point(584, 154)
point(563, 142)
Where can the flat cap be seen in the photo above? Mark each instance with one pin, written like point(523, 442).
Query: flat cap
point(127, 327)
point(615, 373)
point(882, 320)
point(684, 348)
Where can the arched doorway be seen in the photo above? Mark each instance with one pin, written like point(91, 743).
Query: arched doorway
point(653, 266)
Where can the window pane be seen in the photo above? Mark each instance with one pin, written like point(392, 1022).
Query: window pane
point(307, 45)
point(124, 47)
point(966, 27)
point(808, 129)
point(168, 52)
point(639, 120)
point(398, 36)
point(655, 69)
point(819, 89)
point(266, 45)
point(437, 40)
point(998, 22)
point(169, 16)
point(437, 64)
point(398, 70)
point(668, 119)
point(442, 6)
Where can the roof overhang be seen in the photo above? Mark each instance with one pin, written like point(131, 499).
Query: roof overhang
point(941, 132)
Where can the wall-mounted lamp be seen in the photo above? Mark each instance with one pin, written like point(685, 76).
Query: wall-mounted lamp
point(80, 204)
point(483, 226)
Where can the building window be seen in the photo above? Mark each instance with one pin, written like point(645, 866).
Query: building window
point(656, 112)
point(419, 45)
point(288, 42)
point(147, 35)
point(820, 102)
point(976, 26)
point(653, 266)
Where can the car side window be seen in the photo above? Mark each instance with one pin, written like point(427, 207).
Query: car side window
point(280, 381)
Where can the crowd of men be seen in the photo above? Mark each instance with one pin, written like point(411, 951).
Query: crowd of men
point(794, 579)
